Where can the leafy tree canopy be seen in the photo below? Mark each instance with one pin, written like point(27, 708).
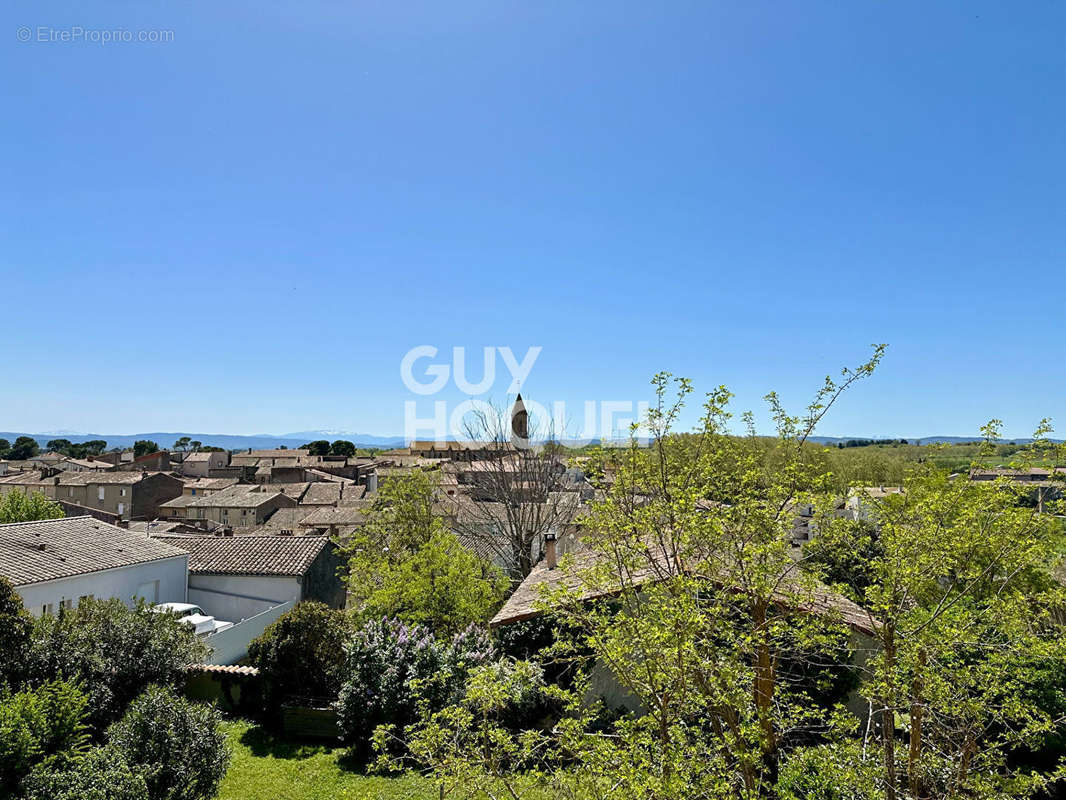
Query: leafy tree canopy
point(18, 507)
point(143, 447)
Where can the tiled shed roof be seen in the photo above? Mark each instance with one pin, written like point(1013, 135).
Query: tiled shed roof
point(249, 555)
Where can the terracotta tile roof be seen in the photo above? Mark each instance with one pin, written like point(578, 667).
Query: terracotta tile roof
point(240, 496)
point(85, 478)
point(250, 555)
point(214, 484)
point(90, 463)
point(31, 552)
point(181, 501)
point(224, 669)
point(523, 603)
point(328, 515)
point(22, 478)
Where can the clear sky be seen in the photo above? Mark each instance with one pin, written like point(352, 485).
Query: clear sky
point(245, 228)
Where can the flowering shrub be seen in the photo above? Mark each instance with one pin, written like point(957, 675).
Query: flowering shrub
point(395, 671)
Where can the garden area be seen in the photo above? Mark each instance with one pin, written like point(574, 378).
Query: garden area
point(267, 766)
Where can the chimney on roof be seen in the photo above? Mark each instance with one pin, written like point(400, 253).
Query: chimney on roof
point(40, 547)
point(550, 556)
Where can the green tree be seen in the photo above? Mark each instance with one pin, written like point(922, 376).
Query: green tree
point(968, 620)
point(403, 562)
point(113, 651)
point(301, 653)
point(18, 507)
point(182, 444)
point(94, 447)
point(143, 447)
point(102, 774)
point(177, 745)
point(442, 585)
point(23, 448)
point(687, 596)
point(319, 447)
point(64, 446)
point(342, 447)
point(38, 724)
point(16, 626)
point(5, 448)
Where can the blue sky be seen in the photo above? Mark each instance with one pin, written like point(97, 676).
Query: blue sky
point(245, 228)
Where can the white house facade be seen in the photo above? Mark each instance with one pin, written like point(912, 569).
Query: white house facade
point(54, 564)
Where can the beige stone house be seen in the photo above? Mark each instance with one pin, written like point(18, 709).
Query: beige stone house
point(127, 495)
point(238, 506)
point(200, 464)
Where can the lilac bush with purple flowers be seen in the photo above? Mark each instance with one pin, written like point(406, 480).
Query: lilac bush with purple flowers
point(395, 671)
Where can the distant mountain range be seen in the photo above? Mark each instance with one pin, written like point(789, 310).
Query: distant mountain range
point(229, 441)
point(264, 441)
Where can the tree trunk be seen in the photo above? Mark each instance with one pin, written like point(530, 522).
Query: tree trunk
point(888, 713)
point(915, 752)
point(764, 693)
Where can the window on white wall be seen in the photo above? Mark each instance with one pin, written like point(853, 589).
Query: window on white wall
point(100, 493)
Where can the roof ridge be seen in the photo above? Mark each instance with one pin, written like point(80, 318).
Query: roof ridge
point(54, 519)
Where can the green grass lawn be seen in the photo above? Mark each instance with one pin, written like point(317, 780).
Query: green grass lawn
point(265, 767)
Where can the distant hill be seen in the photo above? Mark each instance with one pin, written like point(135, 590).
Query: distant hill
point(920, 440)
point(228, 441)
point(263, 441)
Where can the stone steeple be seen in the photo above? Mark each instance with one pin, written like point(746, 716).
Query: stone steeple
point(519, 424)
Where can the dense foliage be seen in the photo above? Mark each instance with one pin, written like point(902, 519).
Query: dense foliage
point(393, 670)
point(691, 606)
point(19, 507)
point(113, 651)
point(404, 563)
point(16, 626)
point(177, 745)
point(38, 725)
point(301, 654)
point(101, 774)
point(93, 447)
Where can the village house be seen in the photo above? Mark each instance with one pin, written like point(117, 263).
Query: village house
point(49, 459)
point(238, 577)
point(158, 461)
point(201, 464)
point(126, 495)
point(54, 564)
point(202, 487)
point(88, 464)
point(552, 573)
point(239, 505)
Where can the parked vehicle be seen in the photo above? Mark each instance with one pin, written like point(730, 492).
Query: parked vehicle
point(193, 615)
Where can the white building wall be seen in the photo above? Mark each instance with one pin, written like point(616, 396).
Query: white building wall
point(231, 645)
point(162, 581)
point(236, 597)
